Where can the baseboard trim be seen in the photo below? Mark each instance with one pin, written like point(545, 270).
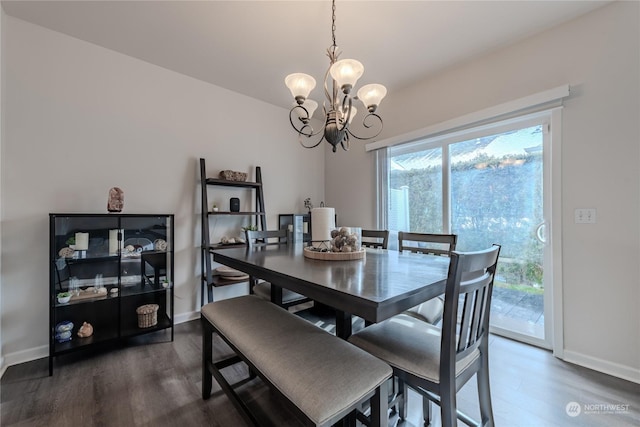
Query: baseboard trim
point(614, 369)
point(186, 317)
point(35, 353)
point(3, 367)
point(23, 356)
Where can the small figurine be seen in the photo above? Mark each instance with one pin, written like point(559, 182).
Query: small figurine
point(308, 204)
point(86, 330)
point(115, 202)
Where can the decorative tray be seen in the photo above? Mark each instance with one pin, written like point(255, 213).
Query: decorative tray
point(334, 256)
point(88, 293)
point(229, 273)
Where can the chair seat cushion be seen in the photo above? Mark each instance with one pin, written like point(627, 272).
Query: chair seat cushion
point(408, 344)
point(263, 289)
point(320, 373)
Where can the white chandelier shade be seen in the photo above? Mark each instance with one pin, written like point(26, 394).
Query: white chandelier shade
point(371, 95)
point(309, 105)
point(300, 85)
point(346, 73)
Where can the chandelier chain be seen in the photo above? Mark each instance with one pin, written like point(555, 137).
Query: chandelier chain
point(333, 22)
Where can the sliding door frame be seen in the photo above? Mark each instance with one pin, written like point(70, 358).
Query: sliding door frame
point(551, 119)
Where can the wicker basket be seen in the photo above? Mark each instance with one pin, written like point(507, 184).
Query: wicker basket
point(147, 315)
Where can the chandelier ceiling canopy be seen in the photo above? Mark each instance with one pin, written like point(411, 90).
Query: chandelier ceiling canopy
point(338, 108)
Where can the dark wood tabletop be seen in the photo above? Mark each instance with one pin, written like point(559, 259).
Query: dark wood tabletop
point(381, 285)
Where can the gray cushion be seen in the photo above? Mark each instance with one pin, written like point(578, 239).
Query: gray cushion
point(263, 289)
point(429, 311)
point(408, 344)
point(323, 375)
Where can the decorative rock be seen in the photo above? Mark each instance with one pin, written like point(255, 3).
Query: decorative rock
point(115, 203)
point(342, 240)
point(233, 175)
point(86, 330)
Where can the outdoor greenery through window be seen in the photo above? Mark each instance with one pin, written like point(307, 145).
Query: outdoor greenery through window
point(486, 186)
point(496, 187)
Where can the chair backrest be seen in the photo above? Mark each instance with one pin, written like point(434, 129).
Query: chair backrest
point(375, 238)
point(426, 243)
point(266, 238)
point(467, 303)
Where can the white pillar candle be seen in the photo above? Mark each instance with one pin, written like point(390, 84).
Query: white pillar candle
point(82, 241)
point(323, 220)
point(114, 245)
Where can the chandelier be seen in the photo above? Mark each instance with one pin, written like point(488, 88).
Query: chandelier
point(338, 108)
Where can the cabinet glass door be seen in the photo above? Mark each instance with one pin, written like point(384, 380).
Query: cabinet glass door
point(146, 271)
point(83, 273)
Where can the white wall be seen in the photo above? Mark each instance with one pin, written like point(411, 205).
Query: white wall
point(598, 55)
point(2, 17)
point(79, 119)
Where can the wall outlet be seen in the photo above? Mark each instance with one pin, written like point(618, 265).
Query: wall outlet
point(585, 216)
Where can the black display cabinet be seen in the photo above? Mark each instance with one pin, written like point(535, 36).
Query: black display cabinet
point(112, 271)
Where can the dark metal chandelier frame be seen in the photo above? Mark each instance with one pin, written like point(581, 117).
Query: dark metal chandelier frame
point(338, 107)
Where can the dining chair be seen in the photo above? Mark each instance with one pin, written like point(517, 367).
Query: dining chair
point(437, 362)
point(434, 244)
point(283, 297)
point(375, 238)
point(427, 243)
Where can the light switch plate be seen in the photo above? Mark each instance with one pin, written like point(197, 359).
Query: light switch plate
point(585, 216)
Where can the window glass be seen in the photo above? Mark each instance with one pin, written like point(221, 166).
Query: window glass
point(415, 191)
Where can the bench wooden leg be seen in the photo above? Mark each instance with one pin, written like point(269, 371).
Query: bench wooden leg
point(207, 357)
point(379, 403)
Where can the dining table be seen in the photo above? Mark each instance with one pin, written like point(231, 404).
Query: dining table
point(376, 287)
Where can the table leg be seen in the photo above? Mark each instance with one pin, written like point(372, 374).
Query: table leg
point(343, 324)
point(276, 295)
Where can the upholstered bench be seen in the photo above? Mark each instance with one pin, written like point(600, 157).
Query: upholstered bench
point(324, 377)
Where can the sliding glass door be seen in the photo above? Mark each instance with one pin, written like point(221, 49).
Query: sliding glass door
point(487, 185)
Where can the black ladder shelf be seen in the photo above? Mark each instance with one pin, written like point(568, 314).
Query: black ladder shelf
point(209, 281)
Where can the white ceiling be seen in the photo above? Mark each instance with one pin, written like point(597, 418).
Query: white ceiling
point(250, 46)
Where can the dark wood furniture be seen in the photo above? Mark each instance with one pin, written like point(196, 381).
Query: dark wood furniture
point(430, 244)
point(427, 243)
point(375, 238)
point(282, 297)
point(383, 284)
point(323, 378)
point(209, 280)
point(157, 263)
point(129, 278)
point(437, 362)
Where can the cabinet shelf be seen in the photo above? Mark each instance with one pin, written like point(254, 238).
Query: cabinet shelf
point(137, 277)
point(236, 213)
point(90, 259)
point(78, 343)
point(164, 322)
point(217, 246)
point(227, 183)
point(147, 288)
point(219, 281)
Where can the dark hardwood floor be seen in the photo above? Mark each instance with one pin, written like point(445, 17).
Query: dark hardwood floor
point(155, 382)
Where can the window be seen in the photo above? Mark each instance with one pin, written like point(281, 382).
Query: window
point(485, 184)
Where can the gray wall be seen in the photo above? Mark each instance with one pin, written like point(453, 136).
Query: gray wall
point(79, 119)
point(598, 55)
